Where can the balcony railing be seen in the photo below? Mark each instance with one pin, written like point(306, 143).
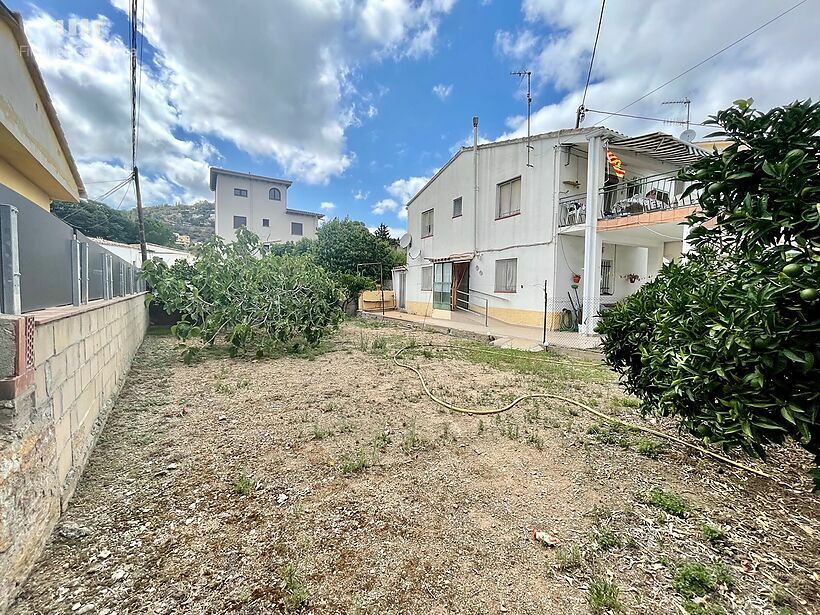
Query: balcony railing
point(628, 198)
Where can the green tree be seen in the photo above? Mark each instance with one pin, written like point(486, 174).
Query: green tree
point(382, 232)
point(729, 341)
point(96, 219)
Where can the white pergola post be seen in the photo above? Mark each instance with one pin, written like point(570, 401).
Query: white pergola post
point(592, 247)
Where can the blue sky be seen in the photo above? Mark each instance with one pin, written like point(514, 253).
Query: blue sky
point(369, 98)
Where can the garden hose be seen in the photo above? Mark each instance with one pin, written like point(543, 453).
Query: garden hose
point(518, 400)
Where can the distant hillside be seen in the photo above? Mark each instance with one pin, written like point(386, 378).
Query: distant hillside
point(194, 220)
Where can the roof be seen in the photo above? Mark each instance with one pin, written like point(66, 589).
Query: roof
point(154, 247)
point(304, 213)
point(662, 146)
point(462, 257)
point(15, 23)
point(214, 171)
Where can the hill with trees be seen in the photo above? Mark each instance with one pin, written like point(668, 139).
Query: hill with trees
point(97, 219)
point(195, 220)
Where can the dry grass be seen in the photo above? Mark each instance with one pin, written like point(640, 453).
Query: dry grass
point(366, 497)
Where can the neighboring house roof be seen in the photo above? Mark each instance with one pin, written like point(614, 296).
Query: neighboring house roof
point(662, 146)
point(154, 247)
point(304, 213)
point(15, 23)
point(217, 171)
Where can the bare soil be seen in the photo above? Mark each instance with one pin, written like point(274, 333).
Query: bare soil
point(331, 483)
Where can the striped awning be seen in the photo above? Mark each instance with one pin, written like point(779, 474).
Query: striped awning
point(662, 146)
point(464, 257)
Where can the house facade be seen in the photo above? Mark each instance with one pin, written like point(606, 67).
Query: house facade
point(544, 232)
point(35, 160)
point(259, 204)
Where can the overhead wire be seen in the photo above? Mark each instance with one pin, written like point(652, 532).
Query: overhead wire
point(594, 48)
point(704, 61)
point(139, 83)
point(643, 117)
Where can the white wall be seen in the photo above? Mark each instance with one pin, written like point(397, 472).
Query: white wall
point(256, 207)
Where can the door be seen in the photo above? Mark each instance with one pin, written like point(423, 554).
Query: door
point(442, 285)
point(461, 286)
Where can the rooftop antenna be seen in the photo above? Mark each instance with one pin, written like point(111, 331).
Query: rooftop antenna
point(685, 102)
point(528, 75)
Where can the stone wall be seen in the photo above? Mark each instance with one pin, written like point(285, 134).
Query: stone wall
point(52, 414)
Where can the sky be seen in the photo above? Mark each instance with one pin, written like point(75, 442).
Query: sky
point(359, 102)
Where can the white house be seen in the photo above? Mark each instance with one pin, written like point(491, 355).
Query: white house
point(535, 244)
point(259, 204)
point(131, 252)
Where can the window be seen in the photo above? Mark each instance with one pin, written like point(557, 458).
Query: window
point(296, 228)
point(240, 192)
point(457, 207)
point(240, 221)
point(274, 194)
point(427, 278)
point(427, 223)
point(509, 198)
point(265, 221)
point(606, 277)
point(506, 274)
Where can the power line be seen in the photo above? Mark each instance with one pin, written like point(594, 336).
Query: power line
point(108, 193)
point(643, 117)
point(594, 47)
point(125, 194)
point(139, 84)
point(702, 62)
point(133, 58)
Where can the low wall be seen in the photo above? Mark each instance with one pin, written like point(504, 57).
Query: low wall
point(68, 365)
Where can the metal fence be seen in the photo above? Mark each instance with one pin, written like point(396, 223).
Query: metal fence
point(47, 263)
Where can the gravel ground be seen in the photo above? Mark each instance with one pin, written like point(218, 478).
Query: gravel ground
point(332, 484)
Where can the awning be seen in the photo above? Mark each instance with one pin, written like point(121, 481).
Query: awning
point(662, 146)
point(464, 257)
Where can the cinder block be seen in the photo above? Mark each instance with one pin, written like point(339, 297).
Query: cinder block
point(40, 388)
point(62, 430)
point(66, 333)
point(65, 460)
point(68, 392)
point(55, 372)
point(43, 343)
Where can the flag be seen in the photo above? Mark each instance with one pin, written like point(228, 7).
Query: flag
point(617, 165)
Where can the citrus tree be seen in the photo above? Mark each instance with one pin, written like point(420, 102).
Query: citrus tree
point(729, 341)
point(242, 293)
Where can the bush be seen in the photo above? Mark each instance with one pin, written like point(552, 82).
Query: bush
point(246, 295)
point(729, 341)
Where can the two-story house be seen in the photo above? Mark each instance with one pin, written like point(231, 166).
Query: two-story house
point(259, 204)
point(550, 238)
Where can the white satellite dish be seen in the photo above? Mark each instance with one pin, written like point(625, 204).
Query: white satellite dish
point(405, 240)
point(414, 253)
point(688, 135)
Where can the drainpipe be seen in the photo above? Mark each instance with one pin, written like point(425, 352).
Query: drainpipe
point(475, 184)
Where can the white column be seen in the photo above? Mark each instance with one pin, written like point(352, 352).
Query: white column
point(685, 245)
point(592, 247)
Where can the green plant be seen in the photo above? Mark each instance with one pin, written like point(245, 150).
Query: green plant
point(712, 533)
point(243, 484)
point(647, 447)
point(667, 501)
point(411, 439)
point(250, 298)
point(611, 433)
point(606, 539)
point(568, 558)
point(703, 608)
point(630, 402)
point(693, 579)
point(320, 433)
point(603, 597)
point(354, 461)
point(381, 440)
point(728, 341)
point(294, 587)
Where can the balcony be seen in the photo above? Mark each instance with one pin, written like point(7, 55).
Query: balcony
point(630, 198)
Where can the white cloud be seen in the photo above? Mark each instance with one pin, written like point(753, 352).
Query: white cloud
point(402, 215)
point(443, 91)
point(327, 206)
point(383, 206)
point(406, 189)
point(630, 62)
point(210, 77)
point(361, 196)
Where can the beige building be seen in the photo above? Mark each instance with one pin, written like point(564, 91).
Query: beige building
point(259, 204)
point(35, 160)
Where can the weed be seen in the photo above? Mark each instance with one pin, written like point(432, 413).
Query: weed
point(647, 447)
point(568, 558)
point(531, 415)
point(536, 440)
point(712, 533)
point(294, 587)
point(667, 501)
point(446, 435)
point(243, 484)
point(381, 441)
point(354, 461)
point(611, 433)
point(784, 610)
point(362, 342)
point(411, 439)
point(319, 433)
point(629, 402)
point(606, 538)
point(481, 427)
point(702, 608)
point(379, 343)
point(693, 579)
point(510, 429)
point(603, 597)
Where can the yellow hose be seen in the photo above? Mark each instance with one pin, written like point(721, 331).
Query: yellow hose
point(518, 400)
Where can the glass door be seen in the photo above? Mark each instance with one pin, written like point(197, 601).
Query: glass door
point(442, 285)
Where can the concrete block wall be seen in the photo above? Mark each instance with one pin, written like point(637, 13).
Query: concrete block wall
point(47, 432)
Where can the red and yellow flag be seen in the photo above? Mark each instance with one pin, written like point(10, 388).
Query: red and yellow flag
point(617, 165)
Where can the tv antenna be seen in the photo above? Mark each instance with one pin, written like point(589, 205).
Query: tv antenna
point(528, 75)
point(685, 102)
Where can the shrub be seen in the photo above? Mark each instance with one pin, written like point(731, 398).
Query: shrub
point(248, 296)
point(729, 341)
point(604, 597)
point(693, 579)
point(667, 501)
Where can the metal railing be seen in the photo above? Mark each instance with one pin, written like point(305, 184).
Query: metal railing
point(629, 198)
point(47, 263)
point(463, 303)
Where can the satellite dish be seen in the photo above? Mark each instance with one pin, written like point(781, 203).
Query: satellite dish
point(688, 135)
point(405, 240)
point(414, 253)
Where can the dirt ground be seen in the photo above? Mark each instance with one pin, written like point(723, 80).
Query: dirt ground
point(331, 483)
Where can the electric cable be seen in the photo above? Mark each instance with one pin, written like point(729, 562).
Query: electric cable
point(594, 47)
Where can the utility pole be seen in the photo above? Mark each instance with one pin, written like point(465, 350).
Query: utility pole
point(140, 218)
